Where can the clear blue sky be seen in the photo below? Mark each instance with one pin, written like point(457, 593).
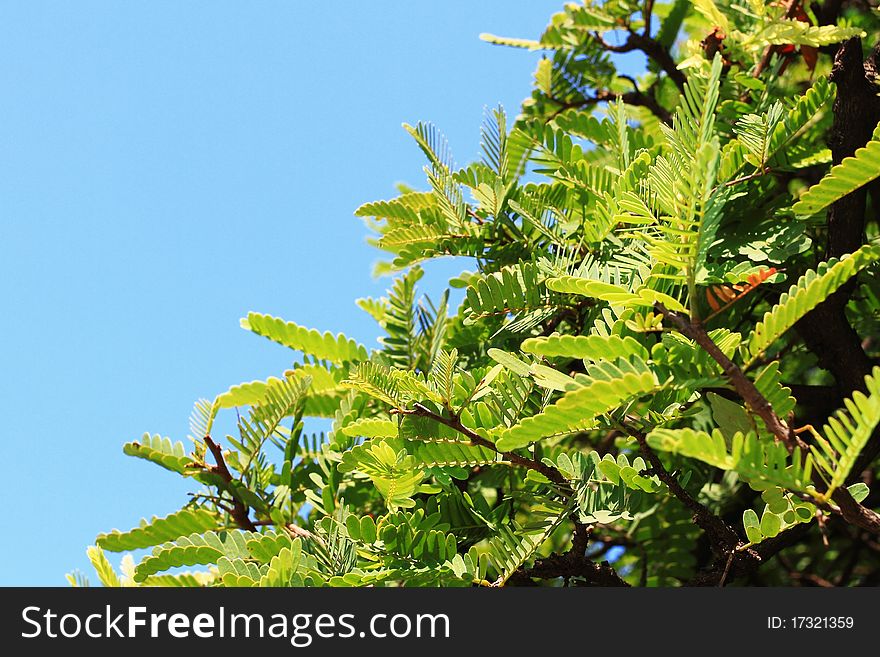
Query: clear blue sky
point(166, 167)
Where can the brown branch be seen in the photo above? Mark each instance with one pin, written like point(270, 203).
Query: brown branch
point(752, 176)
point(573, 563)
point(548, 471)
point(637, 98)
point(652, 49)
point(239, 511)
point(741, 383)
point(563, 565)
point(646, 16)
point(722, 537)
point(852, 511)
point(803, 577)
point(746, 562)
point(768, 52)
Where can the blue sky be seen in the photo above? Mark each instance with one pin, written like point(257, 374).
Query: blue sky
point(166, 167)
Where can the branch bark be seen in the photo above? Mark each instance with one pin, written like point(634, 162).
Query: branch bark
point(240, 512)
point(573, 563)
point(548, 471)
point(852, 511)
point(637, 97)
point(654, 50)
point(723, 538)
point(826, 330)
point(741, 383)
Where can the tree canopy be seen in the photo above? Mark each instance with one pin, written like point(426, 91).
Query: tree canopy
point(665, 368)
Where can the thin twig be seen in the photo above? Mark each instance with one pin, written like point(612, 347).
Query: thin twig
point(653, 49)
point(741, 383)
point(548, 471)
point(768, 52)
point(637, 98)
point(722, 537)
point(726, 569)
point(852, 511)
point(239, 511)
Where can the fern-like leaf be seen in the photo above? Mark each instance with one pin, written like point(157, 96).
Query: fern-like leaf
point(758, 461)
point(844, 178)
point(192, 550)
point(104, 570)
point(616, 295)
point(159, 530)
point(847, 432)
point(161, 451)
point(590, 347)
point(326, 346)
point(578, 409)
point(810, 290)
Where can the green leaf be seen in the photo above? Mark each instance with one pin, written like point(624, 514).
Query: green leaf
point(590, 347)
point(770, 524)
point(758, 461)
point(844, 178)
point(239, 573)
point(326, 346)
point(859, 491)
point(158, 530)
point(514, 290)
point(528, 44)
point(284, 568)
point(577, 409)
point(709, 448)
point(395, 474)
point(192, 550)
point(265, 546)
point(785, 30)
point(106, 574)
point(810, 290)
point(730, 417)
point(509, 361)
point(848, 431)
point(368, 530)
point(161, 451)
point(371, 428)
point(616, 295)
point(453, 453)
point(752, 526)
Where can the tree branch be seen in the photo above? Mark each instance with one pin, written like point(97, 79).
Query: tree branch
point(741, 383)
point(548, 471)
point(239, 511)
point(852, 511)
point(637, 98)
point(653, 49)
point(790, 11)
point(573, 563)
point(722, 568)
point(723, 538)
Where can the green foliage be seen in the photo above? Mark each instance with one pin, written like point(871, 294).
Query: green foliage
point(326, 346)
point(103, 569)
point(847, 433)
point(843, 179)
point(593, 347)
point(760, 462)
point(810, 290)
point(161, 451)
point(158, 530)
point(632, 368)
point(191, 550)
point(578, 409)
